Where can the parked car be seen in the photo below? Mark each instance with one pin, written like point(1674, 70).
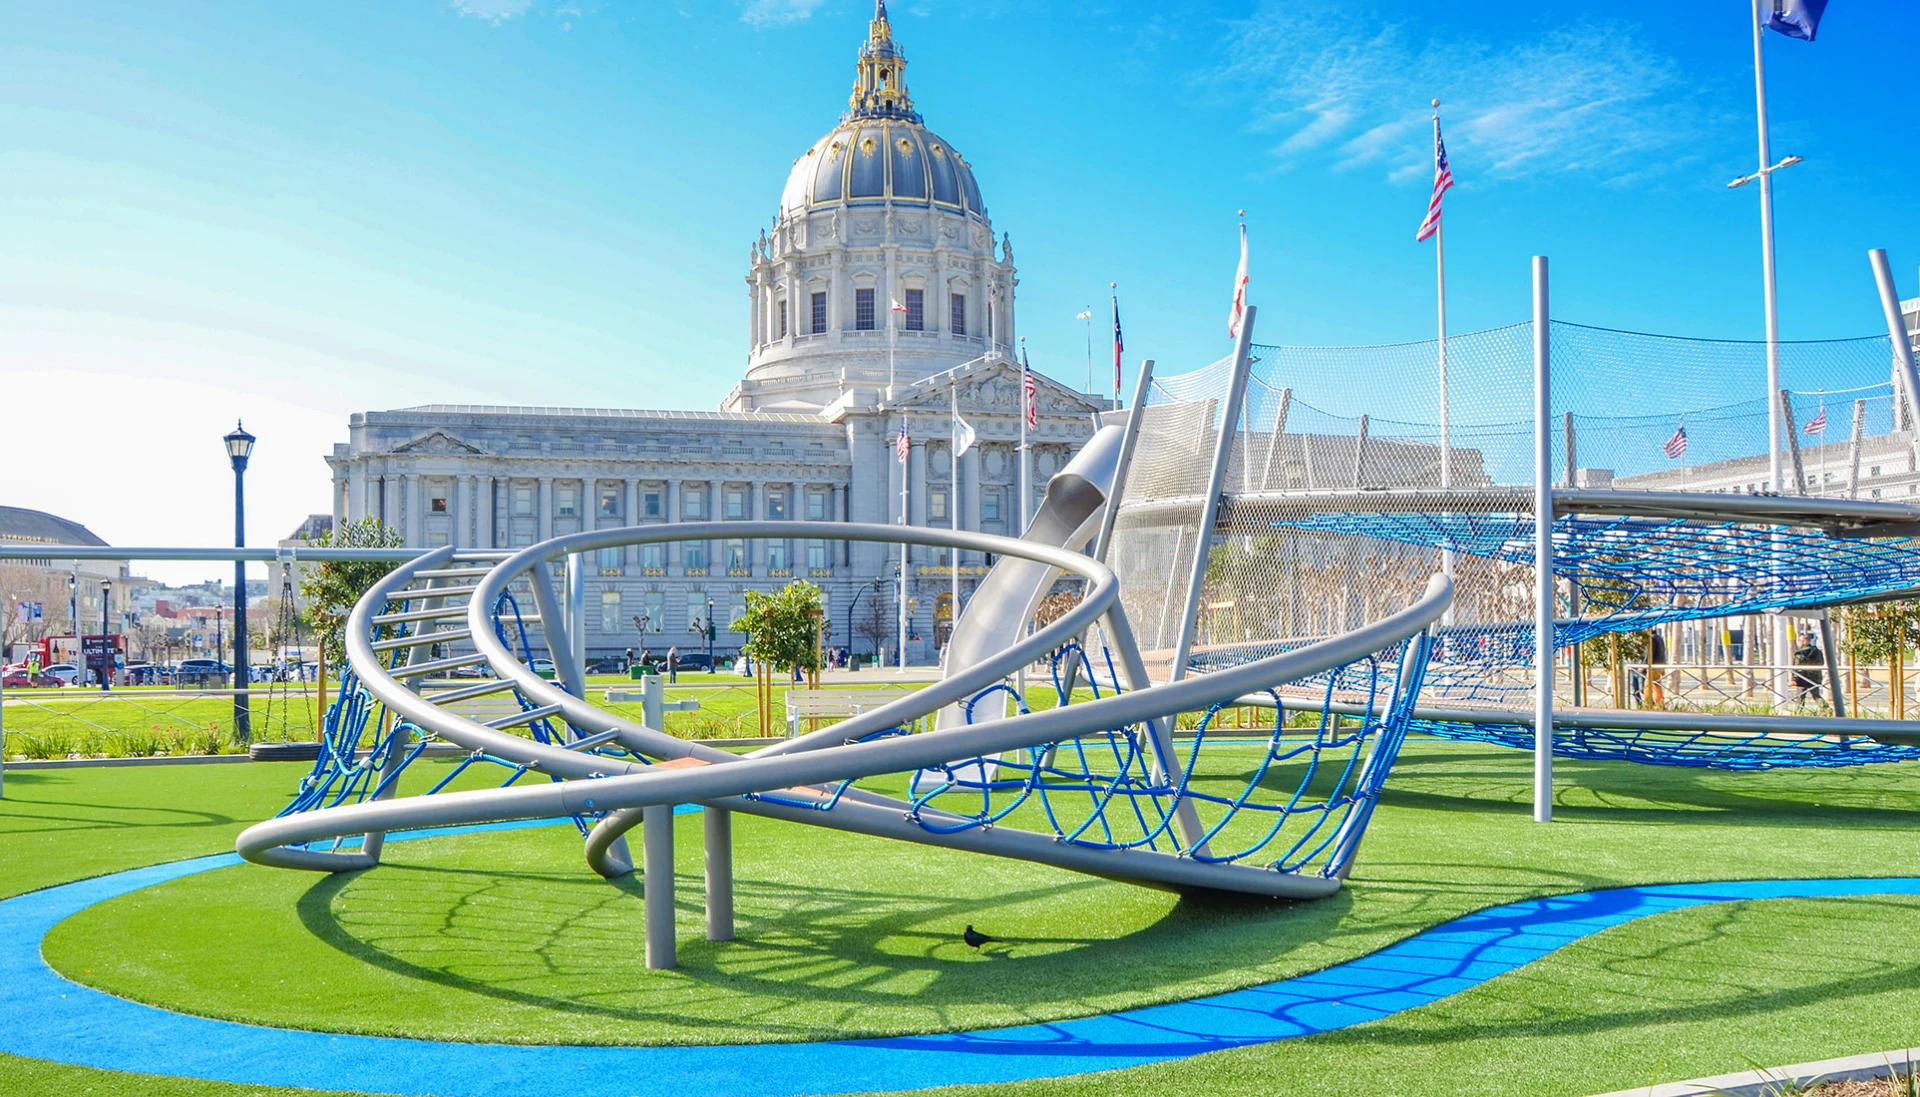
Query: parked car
point(18, 677)
point(543, 667)
point(143, 674)
point(67, 673)
point(203, 672)
point(697, 660)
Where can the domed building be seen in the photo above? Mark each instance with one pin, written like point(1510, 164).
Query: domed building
point(879, 216)
point(877, 301)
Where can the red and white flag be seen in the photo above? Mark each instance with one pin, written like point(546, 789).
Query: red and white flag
point(1677, 444)
point(1028, 390)
point(1817, 424)
point(1442, 179)
point(1239, 309)
point(902, 445)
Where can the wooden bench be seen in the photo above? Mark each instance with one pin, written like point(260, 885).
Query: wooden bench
point(814, 707)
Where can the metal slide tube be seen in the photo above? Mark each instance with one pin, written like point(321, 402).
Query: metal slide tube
point(855, 761)
point(1216, 483)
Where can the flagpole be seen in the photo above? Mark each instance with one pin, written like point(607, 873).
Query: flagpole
point(1114, 287)
point(1088, 314)
point(953, 507)
point(1447, 556)
point(1770, 288)
point(901, 651)
point(1026, 507)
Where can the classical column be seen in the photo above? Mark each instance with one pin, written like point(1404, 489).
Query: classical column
point(339, 501)
point(917, 493)
point(410, 516)
point(970, 512)
point(546, 508)
point(630, 555)
point(756, 510)
point(483, 513)
point(357, 505)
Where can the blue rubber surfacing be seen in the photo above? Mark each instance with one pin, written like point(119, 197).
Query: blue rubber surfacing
point(46, 1016)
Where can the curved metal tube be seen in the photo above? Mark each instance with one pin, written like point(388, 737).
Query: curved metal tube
point(854, 761)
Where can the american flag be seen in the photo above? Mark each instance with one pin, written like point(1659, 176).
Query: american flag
point(1119, 345)
point(902, 445)
point(1027, 386)
point(1442, 179)
point(1677, 444)
point(1817, 424)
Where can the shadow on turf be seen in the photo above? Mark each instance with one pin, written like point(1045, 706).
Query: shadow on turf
point(821, 949)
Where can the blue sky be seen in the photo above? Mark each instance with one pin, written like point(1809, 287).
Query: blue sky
point(290, 212)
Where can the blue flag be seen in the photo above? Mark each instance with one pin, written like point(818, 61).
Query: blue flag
point(1797, 18)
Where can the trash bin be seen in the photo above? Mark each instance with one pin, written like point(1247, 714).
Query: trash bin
point(637, 672)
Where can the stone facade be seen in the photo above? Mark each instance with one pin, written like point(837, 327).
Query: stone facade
point(808, 434)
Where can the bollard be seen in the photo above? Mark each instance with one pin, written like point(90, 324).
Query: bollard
point(657, 883)
point(719, 854)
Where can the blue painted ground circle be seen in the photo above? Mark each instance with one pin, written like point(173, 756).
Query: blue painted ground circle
point(46, 1016)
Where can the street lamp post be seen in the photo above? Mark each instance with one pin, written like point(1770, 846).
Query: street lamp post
point(710, 631)
point(854, 603)
point(73, 616)
point(239, 448)
point(106, 654)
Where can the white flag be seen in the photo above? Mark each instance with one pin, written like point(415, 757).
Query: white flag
point(963, 436)
point(1239, 289)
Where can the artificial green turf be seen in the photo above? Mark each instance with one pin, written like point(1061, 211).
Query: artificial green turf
point(1779, 981)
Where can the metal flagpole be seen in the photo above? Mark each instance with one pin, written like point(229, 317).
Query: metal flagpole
point(900, 658)
point(1543, 638)
point(953, 504)
point(1087, 315)
point(1447, 556)
point(1026, 508)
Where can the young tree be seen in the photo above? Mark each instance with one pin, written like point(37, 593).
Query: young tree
point(783, 628)
point(20, 583)
point(876, 623)
point(1884, 632)
point(332, 588)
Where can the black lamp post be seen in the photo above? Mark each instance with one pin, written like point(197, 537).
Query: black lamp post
point(710, 632)
point(106, 652)
point(239, 448)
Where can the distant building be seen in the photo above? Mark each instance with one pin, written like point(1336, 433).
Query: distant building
point(50, 585)
point(879, 292)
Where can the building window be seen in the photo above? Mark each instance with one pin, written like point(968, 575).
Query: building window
point(612, 561)
point(610, 611)
point(937, 504)
point(736, 606)
point(609, 502)
point(693, 556)
point(776, 556)
point(651, 504)
point(783, 319)
point(522, 540)
point(522, 501)
point(736, 504)
point(776, 503)
point(438, 504)
point(693, 501)
point(1873, 470)
point(959, 321)
point(817, 506)
point(736, 555)
point(653, 558)
point(566, 501)
point(916, 310)
point(819, 313)
point(656, 611)
point(863, 310)
point(697, 613)
point(435, 540)
point(816, 555)
point(990, 505)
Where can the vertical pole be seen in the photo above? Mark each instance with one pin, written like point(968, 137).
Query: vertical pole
point(242, 718)
point(719, 856)
point(3, 728)
point(656, 883)
point(575, 679)
point(1572, 456)
point(1776, 443)
point(1141, 386)
point(1793, 445)
point(1026, 503)
point(900, 653)
point(1833, 664)
point(1542, 551)
point(953, 506)
point(320, 688)
point(1210, 505)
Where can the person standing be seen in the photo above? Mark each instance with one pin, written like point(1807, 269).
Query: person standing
point(673, 665)
point(1807, 683)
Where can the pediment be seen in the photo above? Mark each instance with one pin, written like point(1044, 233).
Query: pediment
point(995, 387)
point(438, 441)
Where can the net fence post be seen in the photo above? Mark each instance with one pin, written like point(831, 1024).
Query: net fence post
point(1210, 505)
point(1542, 552)
point(1897, 331)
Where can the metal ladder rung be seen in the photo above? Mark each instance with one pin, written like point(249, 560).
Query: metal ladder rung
point(415, 594)
point(421, 639)
point(418, 615)
point(434, 666)
point(592, 741)
point(462, 693)
point(526, 717)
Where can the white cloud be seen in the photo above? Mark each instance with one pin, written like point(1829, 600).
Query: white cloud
point(494, 11)
point(1348, 89)
point(773, 12)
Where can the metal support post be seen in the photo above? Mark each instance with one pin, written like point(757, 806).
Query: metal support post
point(719, 853)
point(1833, 663)
point(1897, 331)
point(656, 883)
point(576, 676)
point(1543, 638)
point(1210, 505)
